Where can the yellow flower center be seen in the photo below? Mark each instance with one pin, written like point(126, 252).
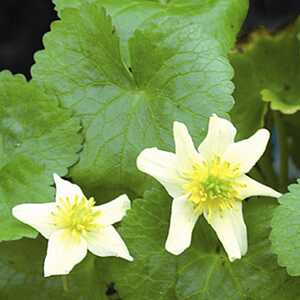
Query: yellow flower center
point(213, 186)
point(78, 216)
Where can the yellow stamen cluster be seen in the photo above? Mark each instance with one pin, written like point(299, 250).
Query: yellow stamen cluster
point(213, 186)
point(76, 215)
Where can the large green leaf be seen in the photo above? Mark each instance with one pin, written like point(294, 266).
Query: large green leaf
point(203, 271)
point(152, 275)
point(21, 275)
point(177, 73)
point(267, 69)
point(285, 234)
point(37, 138)
point(219, 18)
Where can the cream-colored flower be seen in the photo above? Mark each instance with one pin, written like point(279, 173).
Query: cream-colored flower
point(74, 225)
point(209, 181)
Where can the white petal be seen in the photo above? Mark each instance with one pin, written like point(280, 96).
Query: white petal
point(183, 220)
point(220, 135)
point(65, 189)
point(186, 154)
point(253, 188)
point(37, 215)
point(247, 152)
point(107, 242)
point(231, 230)
point(113, 211)
point(162, 166)
point(63, 253)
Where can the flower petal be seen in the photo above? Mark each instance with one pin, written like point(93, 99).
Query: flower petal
point(220, 135)
point(162, 166)
point(63, 253)
point(183, 220)
point(253, 188)
point(65, 189)
point(107, 242)
point(186, 154)
point(231, 230)
point(37, 215)
point(113, 211)
point(247, 152)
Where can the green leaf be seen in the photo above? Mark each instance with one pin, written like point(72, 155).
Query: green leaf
point(21, 275)
point(285, 230)
point(267, 69)
point(203, 271)
point(291, 124)
point(152, 275)
point(176, 73)
point(36, 139)
point(218, 18)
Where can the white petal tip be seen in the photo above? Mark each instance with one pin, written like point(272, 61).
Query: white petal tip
point(276, 194)
point(14, 211)
point(233, 258)
point(56, 178)
point(173, 250)
point(126, 202)
point(221, 122)
point(48, 273)
point(178, 126)
point(264, 133)
point(18, 211)
point(129, 258)
point(143, 157)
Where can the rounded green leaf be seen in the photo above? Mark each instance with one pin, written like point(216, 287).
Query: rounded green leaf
point(176, 72)
point(21, 275)
point(203, 271)
point(37, 138)
point(267, 70)
point(218, 18)
point(285, 235)
point(152, 275)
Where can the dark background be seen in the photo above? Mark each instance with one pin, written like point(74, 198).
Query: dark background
point(23, 23)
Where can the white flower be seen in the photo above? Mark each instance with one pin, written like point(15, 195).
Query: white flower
point(209, 181)
point(74, 225)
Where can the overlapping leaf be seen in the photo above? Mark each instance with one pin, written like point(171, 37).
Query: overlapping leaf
point(203, 271)
point(176, 72)
point(285, 230)
point(153, 273)
point(267, 70)
point(21, 275)
point(36, 139)
point(218, 18)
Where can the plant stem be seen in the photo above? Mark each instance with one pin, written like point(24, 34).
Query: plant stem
point(283, 148)
point(64, 279)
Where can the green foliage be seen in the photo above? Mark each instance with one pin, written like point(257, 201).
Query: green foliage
point(203, 271)
point(218, 18)
point(285, 230)
point(267, 70)
point(176, 72)
point(122, 72)
point(153, 273)
point(21, 278)
point(37, 138)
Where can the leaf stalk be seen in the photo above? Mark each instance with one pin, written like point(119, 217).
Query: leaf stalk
point(283, 151)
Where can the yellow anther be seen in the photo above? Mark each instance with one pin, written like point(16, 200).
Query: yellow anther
point(213, 185)
point(77, 215)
